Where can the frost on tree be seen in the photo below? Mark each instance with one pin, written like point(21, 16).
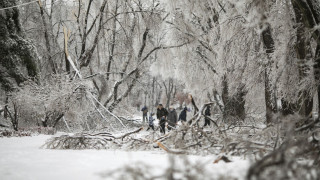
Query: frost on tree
point(18, 55)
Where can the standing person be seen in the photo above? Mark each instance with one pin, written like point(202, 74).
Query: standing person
point(207, 113)
point(172, 118)
point(151, 119)
point(183, 115)
point(144, 114)
point(162, 113)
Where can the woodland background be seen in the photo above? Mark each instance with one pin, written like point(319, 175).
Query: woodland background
point(88, 66)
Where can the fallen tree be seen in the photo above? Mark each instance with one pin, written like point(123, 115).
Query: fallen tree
point(88, 141)
point(281, 146)
point(187, 138)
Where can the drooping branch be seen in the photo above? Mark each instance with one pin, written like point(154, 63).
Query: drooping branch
point(107, 109)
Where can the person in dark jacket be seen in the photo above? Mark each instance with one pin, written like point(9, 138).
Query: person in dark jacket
point(151, 119)
point(144, 114)
point(162, 114)
point(172, 118)
point(207, 112)
point(183, 115)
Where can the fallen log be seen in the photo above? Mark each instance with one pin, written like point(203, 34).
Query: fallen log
point(222, 158)
point(162, 146)
point(129, 133)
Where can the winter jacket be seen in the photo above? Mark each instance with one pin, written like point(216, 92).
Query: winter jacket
point(144, 110)
point(161, 112)
point(172, 117)
point(151, 119)
point(183, 115)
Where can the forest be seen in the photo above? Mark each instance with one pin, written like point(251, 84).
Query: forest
point(246, 73)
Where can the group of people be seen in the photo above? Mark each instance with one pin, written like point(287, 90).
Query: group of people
point(170, 116)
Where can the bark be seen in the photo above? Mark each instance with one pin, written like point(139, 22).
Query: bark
point(126, 93)
point(136, 72)
point(234, 106)
point(113, 42)
point(308, 17)
point(225, 96)
point(129, 46)
point(66, 53)
point(47, 38)
point(84, 37)
point(268, 43)
point(152, 92)
point(303, 49)
point(158, 97)
point(52, 118)
point(269, 100)
point(196, 109)
point(317, 72)
point(287, 107)
point(169, 91)
point(13, 117)
point(86, 56)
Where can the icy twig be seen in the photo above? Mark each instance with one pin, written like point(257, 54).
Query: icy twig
point(107, 110)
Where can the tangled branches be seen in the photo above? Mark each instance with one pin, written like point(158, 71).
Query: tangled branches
point(88, 141)
point(297, 157)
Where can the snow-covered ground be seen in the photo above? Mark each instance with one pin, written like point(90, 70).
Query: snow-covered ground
point(22, 158)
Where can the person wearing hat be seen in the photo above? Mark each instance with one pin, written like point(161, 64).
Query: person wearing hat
point(162, 114)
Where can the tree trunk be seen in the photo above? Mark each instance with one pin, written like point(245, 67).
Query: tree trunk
point(269, 95)
point(113, 42)
point(47, 38)
point(317, 72)
point(305, 102)
point(233, 109)
point(307, 16)
point(169, 91)
point(270, 104)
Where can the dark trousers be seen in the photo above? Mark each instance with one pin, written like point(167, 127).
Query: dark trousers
point(162, 126)
point(206, 122)
point(144, 118)
point(150, 126)
point(171, 126)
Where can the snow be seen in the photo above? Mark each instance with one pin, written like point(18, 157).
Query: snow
point(22, 158)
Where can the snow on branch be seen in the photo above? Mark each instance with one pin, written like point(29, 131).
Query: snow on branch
point(107, 109)
point(103, 140)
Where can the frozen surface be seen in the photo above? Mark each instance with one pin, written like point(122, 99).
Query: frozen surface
point(22, 158)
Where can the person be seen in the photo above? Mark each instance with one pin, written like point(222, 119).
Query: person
point(144, 114)
point(172, 118)
point(162, 113)
point(183, 115)
point(207, 113)
point(151, 119)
